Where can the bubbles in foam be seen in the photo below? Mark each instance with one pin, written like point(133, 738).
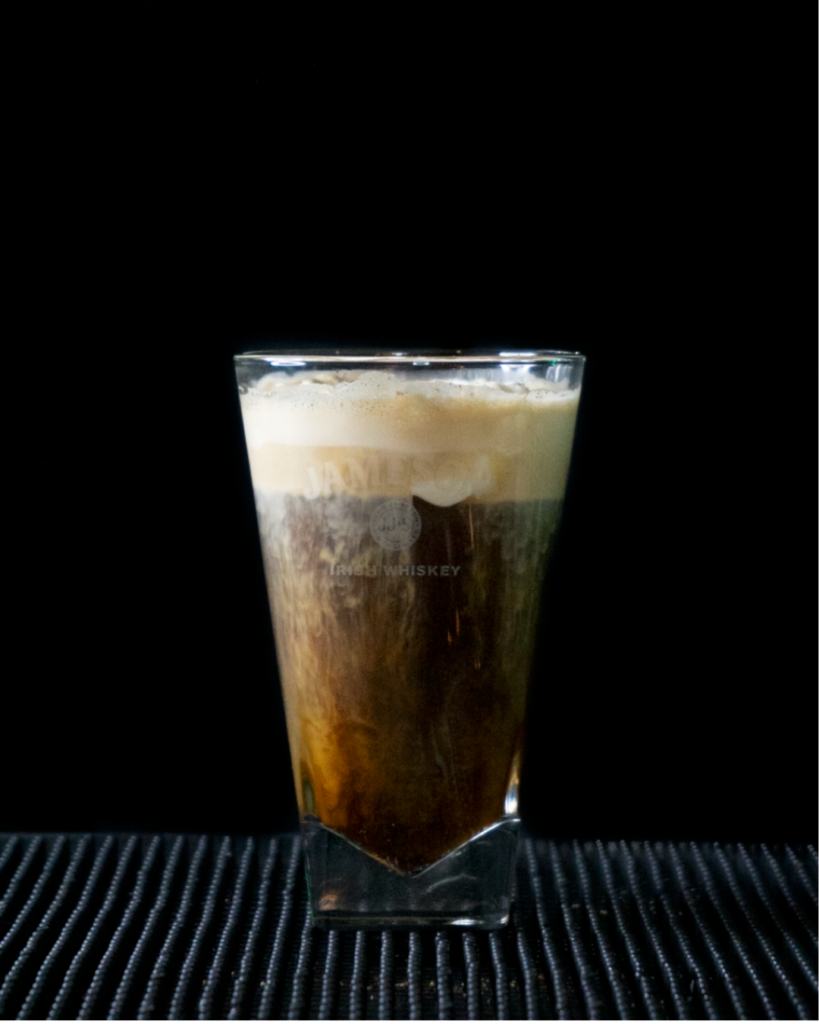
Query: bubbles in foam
point(344, 387)
point(527, 423)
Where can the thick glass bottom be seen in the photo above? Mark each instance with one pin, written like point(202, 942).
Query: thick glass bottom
point(471, 887)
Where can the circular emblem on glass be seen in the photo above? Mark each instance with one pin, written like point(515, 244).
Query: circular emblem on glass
point(395, 524)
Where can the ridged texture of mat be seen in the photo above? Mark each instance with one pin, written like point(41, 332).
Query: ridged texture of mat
point(212, 927)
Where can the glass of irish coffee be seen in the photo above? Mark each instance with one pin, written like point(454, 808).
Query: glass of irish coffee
point(406, 505)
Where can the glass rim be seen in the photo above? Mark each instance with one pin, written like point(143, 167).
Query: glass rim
point(410, 356)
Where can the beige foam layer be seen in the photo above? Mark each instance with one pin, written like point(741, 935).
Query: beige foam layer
point(373, 434)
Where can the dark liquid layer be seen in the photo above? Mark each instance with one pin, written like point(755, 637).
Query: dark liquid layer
point(405, 694)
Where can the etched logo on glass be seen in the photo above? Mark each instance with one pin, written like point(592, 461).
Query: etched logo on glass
point(395, 524)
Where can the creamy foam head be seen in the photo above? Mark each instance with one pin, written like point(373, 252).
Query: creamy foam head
point(374, 432)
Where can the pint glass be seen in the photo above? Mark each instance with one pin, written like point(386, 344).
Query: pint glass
point(406, 505)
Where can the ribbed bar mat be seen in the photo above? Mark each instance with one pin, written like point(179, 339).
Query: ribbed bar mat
point(187, 927)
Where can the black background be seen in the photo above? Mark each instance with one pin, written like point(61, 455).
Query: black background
point(206, 187)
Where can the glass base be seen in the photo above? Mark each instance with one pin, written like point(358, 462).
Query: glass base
point(471, 887)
